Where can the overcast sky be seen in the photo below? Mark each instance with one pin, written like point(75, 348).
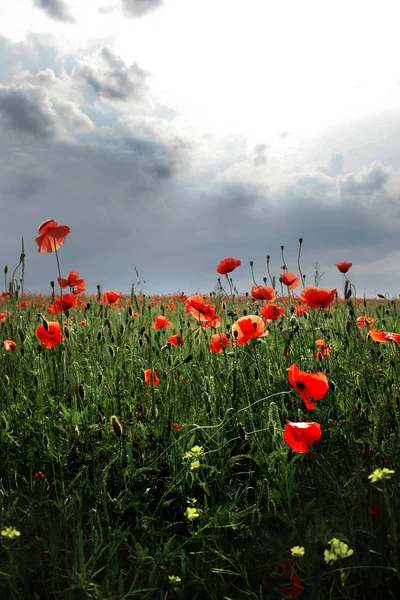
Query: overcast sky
point(169, 134)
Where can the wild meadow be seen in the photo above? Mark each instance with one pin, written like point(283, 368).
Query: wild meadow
point(226, 445)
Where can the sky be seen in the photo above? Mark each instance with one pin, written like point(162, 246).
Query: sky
point(170, 134)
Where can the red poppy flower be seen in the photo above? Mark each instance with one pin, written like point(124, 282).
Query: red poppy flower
point(317, 297)
point(160, 322)
point(377, 511)
point(308, 385)
point(263, 292)
point(364, 321)
point(290, 280)
point(51, 236)
point(77, 285)
point(214, 323)
point(9, 345)
point(247, 328)
point(300, 435)
point(285, 571)
point(2, 316)
point(344, 266)
point(383, 336)
point(51, 335)
point(323, 348)
point(271, 312)
point(300, 309)
point(111, 297)
point(149, 377)
point(218, 340)
point(176, 340)
point(202, 312)
point(39, 476)
point(227, 265)
point(176, 426)
point(67, 301)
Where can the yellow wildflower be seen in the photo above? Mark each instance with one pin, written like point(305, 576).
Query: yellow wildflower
point(191, 513)
point(10, 532)
point(380, 474)
point(194, 465)
point(338, 550)
point(174, 579)
point(297, 551)
point(195, 452)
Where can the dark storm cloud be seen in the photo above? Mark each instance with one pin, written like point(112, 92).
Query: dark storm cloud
point(370, 179)
point(31, 109)
point(112, 79)
point(138, 8)
point(55, 9)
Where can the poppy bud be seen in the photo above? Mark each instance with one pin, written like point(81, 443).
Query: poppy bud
point(52, 284)
point(45, 325)
point(87, 306)
point(300, 241)
point(140, 342)
point(244, 312)
point(111, 351)
point(251, 263)
point(121, 328)
point(188, 358)
point(265, 280)
point(5, 270)
point(116, 425)
point(40, 348)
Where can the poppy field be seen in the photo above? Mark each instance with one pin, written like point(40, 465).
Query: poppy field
point(229, 445)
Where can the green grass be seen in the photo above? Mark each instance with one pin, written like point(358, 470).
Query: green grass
point(108, 519)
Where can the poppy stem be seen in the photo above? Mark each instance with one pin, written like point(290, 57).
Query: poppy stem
point(298, 262)
point(59, 270)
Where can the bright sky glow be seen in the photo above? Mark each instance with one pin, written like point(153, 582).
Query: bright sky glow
point(257, 69)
